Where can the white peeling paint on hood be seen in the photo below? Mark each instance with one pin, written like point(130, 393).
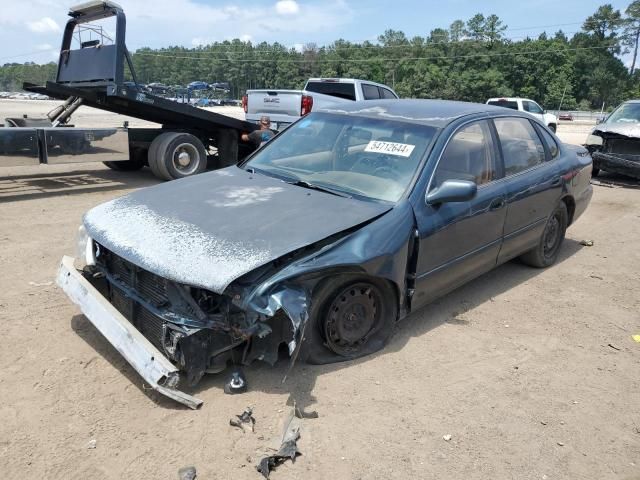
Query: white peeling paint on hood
point(171, 248)
point(209, 230)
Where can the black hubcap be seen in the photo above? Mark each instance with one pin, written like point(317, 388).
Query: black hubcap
point(552, 235)
point(352, 316)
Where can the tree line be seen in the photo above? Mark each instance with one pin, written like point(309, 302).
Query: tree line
point(469, 60)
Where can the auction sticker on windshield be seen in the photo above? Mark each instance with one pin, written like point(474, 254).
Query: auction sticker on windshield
point(390, 148)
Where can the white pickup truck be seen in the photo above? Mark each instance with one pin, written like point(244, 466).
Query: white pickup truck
point(529, 106)
point(286, 106)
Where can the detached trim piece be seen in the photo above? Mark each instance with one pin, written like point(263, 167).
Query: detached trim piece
point(146, 359)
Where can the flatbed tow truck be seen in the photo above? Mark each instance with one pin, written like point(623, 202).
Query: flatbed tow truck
point(93, 74)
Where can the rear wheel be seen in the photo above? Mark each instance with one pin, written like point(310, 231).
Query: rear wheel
point(548, 248)
point(181, 155)
point(553, 127)
point(135, 162)
point(175, 155)
point(351, 319)
point(152, 157)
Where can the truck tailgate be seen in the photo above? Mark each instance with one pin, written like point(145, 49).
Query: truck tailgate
point(279, 105)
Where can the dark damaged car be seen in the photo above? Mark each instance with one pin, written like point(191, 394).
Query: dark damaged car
point(320, 242)
point(615, 143)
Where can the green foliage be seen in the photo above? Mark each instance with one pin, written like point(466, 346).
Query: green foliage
point(469, 61)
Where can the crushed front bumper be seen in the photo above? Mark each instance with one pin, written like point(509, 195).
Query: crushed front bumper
point(617, 163)
point(145, 358)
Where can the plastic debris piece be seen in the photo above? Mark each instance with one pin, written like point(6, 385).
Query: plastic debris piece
point(613, 346)
point(636, 338)
point(561, 444)
point(288, 448)
point(187, 473)
point(245, 417)
point(92, 444)
point(446, 438)
point(586, 243)
point(40, 284)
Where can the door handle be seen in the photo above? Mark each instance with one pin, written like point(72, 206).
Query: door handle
point(497, 204)
point(556, 182)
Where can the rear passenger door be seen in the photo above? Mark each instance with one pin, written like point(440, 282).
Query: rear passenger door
point(532, 182)
point(461, 240)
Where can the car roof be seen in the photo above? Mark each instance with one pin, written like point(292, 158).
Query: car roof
point(433, 113)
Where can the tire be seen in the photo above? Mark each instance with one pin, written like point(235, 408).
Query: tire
point(125, 166)
point(350, 317)
point(548, 248)
point(135, 162)
point(152, 156)
point(180, 155)
point(553, 127)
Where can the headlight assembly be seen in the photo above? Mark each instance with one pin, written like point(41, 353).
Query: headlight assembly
point(84, 248)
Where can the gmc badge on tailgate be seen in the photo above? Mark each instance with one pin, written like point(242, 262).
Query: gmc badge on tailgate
point(271, 100)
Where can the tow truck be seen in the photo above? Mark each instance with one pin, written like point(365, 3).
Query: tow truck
point(92, 73)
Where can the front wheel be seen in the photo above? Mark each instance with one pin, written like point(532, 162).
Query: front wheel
point(553, 127)
point(349, 319)
point(548, 248)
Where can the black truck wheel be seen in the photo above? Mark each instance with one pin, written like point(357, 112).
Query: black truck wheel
point(349, 319)
point(135, 162)
point(179, 155)
point(125, 166)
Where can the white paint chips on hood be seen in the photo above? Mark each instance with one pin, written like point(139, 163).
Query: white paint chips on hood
point(172, 248)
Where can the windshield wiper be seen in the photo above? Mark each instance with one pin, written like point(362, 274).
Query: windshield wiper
point(321, 188)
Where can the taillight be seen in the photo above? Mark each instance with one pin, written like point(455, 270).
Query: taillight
point(306, 105)
point(245, 103)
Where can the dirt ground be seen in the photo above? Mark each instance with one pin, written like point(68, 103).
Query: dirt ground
point(533, 373)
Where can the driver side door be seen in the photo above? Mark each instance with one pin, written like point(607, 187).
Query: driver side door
point(461, 240)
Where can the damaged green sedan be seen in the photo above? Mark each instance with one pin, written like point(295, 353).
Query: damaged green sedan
point(324, 238)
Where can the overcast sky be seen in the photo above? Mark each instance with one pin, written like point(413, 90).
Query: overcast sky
point(30, 30)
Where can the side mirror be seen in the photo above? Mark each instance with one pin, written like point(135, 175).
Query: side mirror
point(452, 191)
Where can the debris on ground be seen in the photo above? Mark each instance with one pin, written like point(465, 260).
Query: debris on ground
point(187, 473)
point(245, 417)
point(636, 338)
point(40, 284)
point(597, 277)
point(446, 438)
point(236, 383)
point(92, 444)
point(288, 449)
point(561, 444)
point(613, 346)
point(586, 243)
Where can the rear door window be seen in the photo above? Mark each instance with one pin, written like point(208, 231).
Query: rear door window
point(469, 155)
point(551, 143)
point(512, 104)
point(370, 92)
point(521, 146)
point(335, 89)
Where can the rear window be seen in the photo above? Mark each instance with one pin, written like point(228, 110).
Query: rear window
point(335, 89)
point(512, 104)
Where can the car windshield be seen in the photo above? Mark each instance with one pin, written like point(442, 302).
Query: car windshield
point(352, 155)
point(625, 113)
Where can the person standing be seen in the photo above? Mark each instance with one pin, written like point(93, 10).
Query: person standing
point(262, 136)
